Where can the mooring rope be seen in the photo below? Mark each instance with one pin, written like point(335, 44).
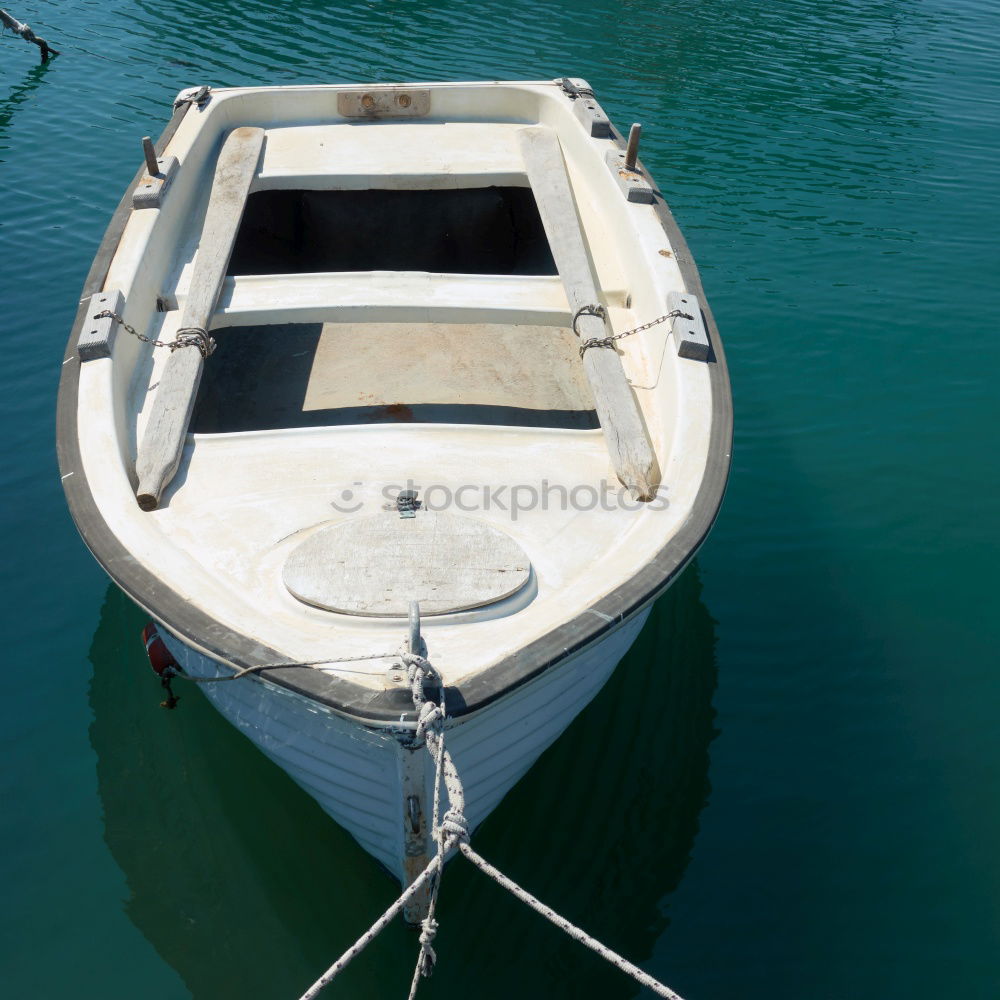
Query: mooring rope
point(174, 670)
point(376, 928)
point(451, 831)
point(430, 729)
point(563, 924)
point(261, 667)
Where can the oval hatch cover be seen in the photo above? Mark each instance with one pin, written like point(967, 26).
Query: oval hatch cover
point(376, 565)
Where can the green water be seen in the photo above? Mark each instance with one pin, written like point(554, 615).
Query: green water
point(808, 804)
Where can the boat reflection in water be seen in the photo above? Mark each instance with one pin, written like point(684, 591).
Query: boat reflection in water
point(246, 888)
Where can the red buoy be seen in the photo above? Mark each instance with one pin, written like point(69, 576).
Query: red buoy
point(160, 658)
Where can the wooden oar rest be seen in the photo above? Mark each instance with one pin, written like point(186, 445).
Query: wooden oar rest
point(621, 420)
point(163, 442)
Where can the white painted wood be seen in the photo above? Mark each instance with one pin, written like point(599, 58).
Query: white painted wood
point(622, 422)
point(375, 566)
point(350, 770)
point(160, 451)
point(386, 297)
point(233, 175)
point(384, 102)
point(407, 155)
point(355, 772)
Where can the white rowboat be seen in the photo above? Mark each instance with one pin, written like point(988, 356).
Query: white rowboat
point(399, 280)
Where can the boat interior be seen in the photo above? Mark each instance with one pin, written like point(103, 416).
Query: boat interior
point(267, 377)
point(393, 318)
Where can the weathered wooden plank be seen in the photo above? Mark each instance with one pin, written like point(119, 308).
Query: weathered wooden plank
point(163, 442)
point(416, 818)
point(387, 297)
point(384, 102)
point(624, 429)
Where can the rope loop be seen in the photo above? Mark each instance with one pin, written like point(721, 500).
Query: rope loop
point(454, 823)
point(419, 666)
point(420, 672)
point(431, 716)
point(428, 957)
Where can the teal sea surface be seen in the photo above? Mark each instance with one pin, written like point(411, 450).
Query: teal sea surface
point(807, 803)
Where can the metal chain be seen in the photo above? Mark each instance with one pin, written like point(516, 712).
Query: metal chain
point(188, 336)
point(593, 310)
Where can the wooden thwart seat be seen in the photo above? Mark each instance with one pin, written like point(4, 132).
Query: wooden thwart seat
point(386, 297)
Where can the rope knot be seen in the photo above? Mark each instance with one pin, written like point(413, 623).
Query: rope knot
point(431, 715)
point(428, 957)
point(414, 663)
point(454, 822)
point(420, 672)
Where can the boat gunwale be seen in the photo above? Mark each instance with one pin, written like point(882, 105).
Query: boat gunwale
point(198, 629)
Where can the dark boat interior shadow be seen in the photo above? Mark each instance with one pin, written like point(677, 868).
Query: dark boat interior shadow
point(261, 379)
point(246, 888)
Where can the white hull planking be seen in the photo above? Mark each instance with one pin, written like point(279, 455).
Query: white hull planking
point(355, 771)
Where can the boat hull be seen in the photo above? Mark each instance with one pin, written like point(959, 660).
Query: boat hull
point(208, 562)
point(368, 778)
